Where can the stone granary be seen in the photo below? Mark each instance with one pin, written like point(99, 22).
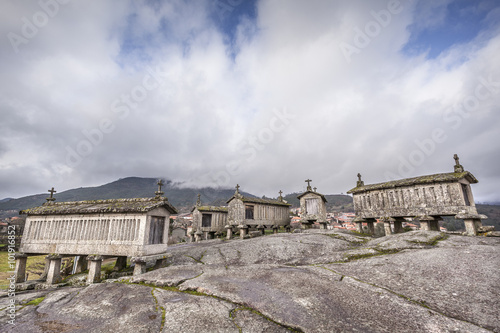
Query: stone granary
point(209, 220)
point(98, 229)
point(426, 198)
point(312, 207)
point(245, 213)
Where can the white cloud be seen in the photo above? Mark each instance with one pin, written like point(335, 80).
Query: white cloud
point(214, 112)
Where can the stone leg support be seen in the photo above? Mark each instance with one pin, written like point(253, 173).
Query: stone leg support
point(121, 263)
point(425, 225)
point(94, 269)
point(197, 237)
point(206, 235)
point(471, 226)
point(21, 267)
point(262, 230)
point(54, 274)
point(288, 228)
point(81, 264)
point(387, 228)
point(371, 228)
point(398, 227)
point(434, 225)
point(140, 266)
point(243, 232)
point(359, 227)
point(43, 277)
point(322, 225)
point(275, 230)
point(229, 233)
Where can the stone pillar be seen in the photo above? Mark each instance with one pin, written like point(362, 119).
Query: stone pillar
point(425, 223)
point(472, 222)
point(261, 229)
point(54, 273)
point(243, 231)
point(139, 266)
point(206, 235)
point(371, 227)
point(81, 264)
point(229, 231)
point(471, 226)
point(322, 225)
point(288, 228)
point(434, 225)
point(275, 229)
point(21, 259)
point(197, 236)
point(359, 224)
point(43, 277)
point(387, 228)
point(121, 263)
point(398, 226)
point(94, 275)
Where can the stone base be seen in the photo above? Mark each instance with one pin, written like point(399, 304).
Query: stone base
point(121, 263)
point(21, 260)
point(94, 275)
point(472, 226)
point(54, 274)
point(387, 228)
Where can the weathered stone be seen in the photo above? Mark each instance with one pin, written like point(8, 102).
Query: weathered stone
point(315, 281)
point(115, 227)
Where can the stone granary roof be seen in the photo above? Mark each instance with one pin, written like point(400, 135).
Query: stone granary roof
point(136, 205)
point(259, 201)
point(436, 178)
point(211, 209)
point(314, 192)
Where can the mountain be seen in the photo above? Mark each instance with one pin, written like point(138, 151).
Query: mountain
point(131, 187)
point(135, 187)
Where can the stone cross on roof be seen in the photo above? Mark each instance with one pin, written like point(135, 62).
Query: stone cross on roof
point(280, 197)
point(52, 191)
point(360, 183)
point(198, 202)
point(308, 181)
point(237, 188)
point(458, 168)
point(159, 193)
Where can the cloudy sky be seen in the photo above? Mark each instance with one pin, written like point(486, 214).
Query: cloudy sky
point(261, 93)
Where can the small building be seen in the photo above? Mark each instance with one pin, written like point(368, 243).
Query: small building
point(96, 228)
point(245, 212)
point(312, 207)
point(210, 220)
point(426, 198)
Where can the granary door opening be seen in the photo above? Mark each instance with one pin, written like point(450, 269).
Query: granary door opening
point(206, 220)
point(156, 230)
point(466, 194)
point(312, 206)
point(249, 212)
